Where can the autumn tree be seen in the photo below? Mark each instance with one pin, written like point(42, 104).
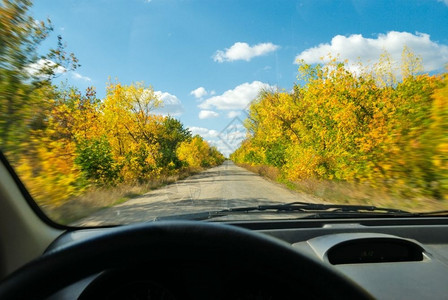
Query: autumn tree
point(23, 71)
point(436, 141)
point(374, 125)
point(58, 153)
point(197, 153)
point(63, 141)
point(132, 128)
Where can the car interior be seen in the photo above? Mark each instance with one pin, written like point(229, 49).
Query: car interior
point(248, 150)
point(383, 258)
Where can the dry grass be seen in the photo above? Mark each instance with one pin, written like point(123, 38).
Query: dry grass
point(266, 171)
point(352, 193)
point(97, 198)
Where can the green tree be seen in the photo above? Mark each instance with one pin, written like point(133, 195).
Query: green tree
point(172, 133)
point(94, 156)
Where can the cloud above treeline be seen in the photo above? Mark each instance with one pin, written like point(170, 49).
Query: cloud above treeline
point(356, 48)
point(208, 114)
point(237, 98)
point(171, 104)
point(243, 51)
point(38, 69)
point(76, 75)
point(227, 141)
point(201, 92)
point(204, 132)
point(35, 69)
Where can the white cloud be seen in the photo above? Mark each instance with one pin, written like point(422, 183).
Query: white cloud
point(36, 68)
point(41, 65)
point(204, 132)
point(222, 147)
point(199, 92)
point(233, 114)
point(242, 51)
point(171, 104)
point(227, 141)
point(76, 75)
point(356, 48)
point(231, 137)
point(207, 114)
point(235, 126)
point(444, 1)
point(212, 137)
point(237, 135)
point(235, 99)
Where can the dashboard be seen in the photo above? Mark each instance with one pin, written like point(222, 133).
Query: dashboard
point(388, 258)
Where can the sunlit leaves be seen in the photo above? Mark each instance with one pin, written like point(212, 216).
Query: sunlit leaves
point(198, 153)
point(78, 141)
point(437, 139)
point(23, 72)
point(384, 125)
point(132, 127)
point(62, 141)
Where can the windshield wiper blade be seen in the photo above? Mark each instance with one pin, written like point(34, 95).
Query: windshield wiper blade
point(347, 208)
point(432, 213)
point(309, 207)
point(292, 207)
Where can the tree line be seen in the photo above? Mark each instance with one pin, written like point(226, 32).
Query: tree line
point(62, 141)
point(384, 126)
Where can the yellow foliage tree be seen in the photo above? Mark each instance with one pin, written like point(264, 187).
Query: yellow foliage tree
point(197, 153)
point(128, 115)
point(363, 126)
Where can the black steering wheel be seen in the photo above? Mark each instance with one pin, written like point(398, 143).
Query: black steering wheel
point(178, 241)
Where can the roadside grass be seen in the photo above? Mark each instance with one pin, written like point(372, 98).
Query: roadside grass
point(98, 198)
point(338, 192)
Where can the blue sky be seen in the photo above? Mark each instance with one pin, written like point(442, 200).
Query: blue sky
point(209, 59)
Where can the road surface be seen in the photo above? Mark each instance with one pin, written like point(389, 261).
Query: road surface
point(214, 189)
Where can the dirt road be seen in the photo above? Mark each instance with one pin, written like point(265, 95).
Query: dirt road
point(217, 188)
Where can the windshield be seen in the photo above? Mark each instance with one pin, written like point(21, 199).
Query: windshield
point(130, 111)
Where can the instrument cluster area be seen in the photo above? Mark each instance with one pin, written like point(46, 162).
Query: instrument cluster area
point(187, 281)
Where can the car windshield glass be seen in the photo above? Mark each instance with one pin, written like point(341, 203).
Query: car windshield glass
point(130, 111)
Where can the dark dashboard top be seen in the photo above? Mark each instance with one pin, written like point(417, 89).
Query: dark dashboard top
point(391, 259)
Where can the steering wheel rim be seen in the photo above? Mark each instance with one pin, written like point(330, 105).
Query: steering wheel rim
point(139, 243)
